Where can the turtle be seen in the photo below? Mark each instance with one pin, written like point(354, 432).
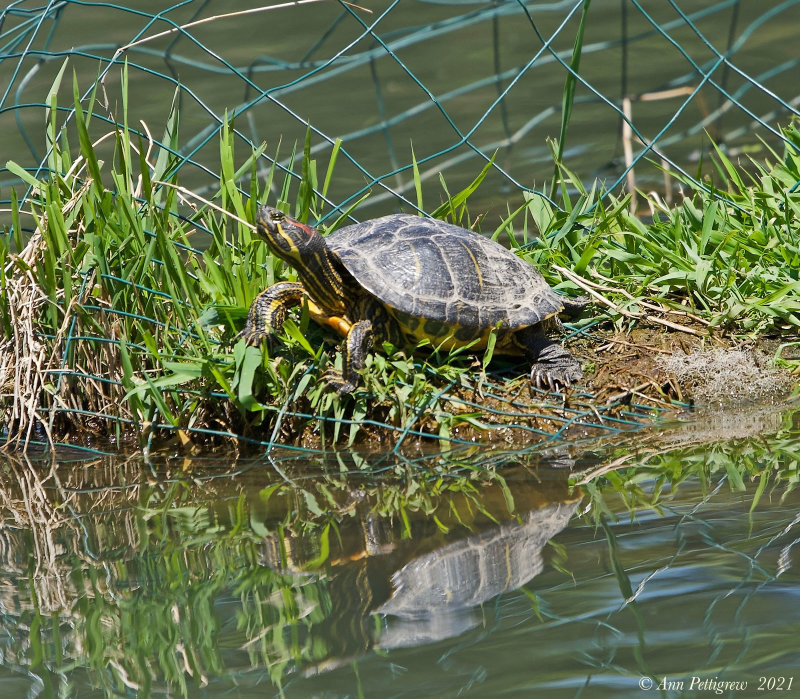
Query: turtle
point(405, 279)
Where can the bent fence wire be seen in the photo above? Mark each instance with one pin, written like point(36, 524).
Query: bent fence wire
point(445, 87)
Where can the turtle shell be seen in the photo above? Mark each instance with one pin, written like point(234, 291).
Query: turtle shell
point(443, 274)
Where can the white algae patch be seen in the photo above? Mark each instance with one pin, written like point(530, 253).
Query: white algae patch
point(723, 378)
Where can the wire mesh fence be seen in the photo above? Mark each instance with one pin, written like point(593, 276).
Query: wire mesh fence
point(441, 90)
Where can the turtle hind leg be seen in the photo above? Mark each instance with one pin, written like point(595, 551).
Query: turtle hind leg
point(356, 345)
point(268, 312)
point(552, 365)
point(555, 367)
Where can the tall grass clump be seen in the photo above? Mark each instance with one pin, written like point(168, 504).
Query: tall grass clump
point(118, 312)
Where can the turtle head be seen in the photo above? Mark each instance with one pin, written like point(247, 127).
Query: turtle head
point(303, 248)
point(290, 240)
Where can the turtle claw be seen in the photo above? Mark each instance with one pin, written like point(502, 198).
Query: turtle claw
point(552, 381)
point(243, 335)
point(254, 337)
point(555, 369)
point(255, 330)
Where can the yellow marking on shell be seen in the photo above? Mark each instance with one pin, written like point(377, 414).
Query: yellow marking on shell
point(474, 264)
point(506, 342)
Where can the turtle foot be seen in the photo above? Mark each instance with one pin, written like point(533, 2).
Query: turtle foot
point(555, 368)
point(268, 311)
point(336, 382)
point(255, 337)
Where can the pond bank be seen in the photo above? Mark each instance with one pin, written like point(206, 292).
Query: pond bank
point(119, 313)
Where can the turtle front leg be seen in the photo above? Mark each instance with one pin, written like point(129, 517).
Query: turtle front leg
point(552, 365)
point(356, 345)
point(268, 311)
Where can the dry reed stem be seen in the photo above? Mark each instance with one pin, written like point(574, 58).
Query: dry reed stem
point(592, 287)
point(33, 385)
point(23, 355)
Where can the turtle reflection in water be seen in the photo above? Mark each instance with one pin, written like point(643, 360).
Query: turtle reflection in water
point(405, 279)
point(427, 584)
point(434, 595)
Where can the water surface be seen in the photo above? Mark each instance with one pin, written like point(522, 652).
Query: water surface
point(558, 575)
point(497, 75)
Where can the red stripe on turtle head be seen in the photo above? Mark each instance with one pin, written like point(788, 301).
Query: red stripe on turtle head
point(302, 226)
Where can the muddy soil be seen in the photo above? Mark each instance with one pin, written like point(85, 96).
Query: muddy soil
point(655, 364)
point(630, 379)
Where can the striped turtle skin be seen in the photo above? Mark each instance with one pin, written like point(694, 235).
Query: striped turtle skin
point(407, 279)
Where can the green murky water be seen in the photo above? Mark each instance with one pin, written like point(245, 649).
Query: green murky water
point(381, 113)
point(667, 555)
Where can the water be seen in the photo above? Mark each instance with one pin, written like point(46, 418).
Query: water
point(462, 53)
point(559, 576)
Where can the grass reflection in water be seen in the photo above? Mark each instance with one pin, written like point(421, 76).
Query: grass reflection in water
point(667, 554)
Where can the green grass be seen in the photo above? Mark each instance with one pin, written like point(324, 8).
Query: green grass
point(118, 314)
point(729, 253)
